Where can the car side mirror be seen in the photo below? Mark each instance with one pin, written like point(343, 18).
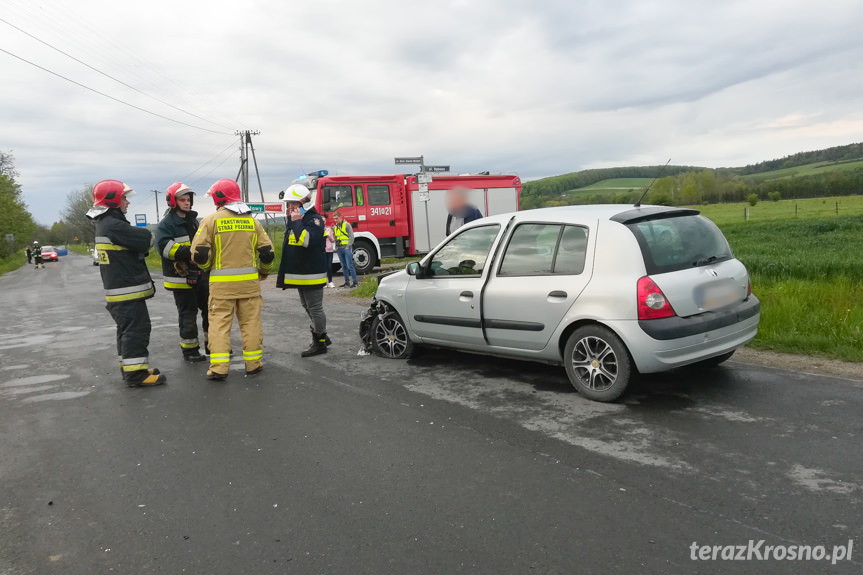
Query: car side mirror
point(414, 269)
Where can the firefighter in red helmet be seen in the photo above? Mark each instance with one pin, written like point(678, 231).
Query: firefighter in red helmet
point(182, 276)
point(122, 249)
point(236, 250)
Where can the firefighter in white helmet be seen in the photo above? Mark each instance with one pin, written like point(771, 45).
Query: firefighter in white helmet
point(304, 262)
point(182, 276)
point(236, 250)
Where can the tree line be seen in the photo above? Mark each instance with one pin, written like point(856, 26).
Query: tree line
point(687, 185)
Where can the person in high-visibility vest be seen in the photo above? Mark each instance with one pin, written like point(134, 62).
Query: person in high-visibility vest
point(236, 250)
point(345, 249)
point(304, 262)
point(122, 249)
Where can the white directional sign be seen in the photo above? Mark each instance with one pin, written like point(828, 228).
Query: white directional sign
point(424, 178)
point(423, 194)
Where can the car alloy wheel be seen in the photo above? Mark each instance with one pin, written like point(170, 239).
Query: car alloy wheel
point(597, 363)
point(390, 337)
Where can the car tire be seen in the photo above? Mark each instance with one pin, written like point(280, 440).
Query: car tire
point(390, 337)
point(364, 256)
point(597, 363)
point(715, 361)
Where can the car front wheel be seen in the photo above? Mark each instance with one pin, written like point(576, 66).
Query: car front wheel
point(597, 363)
point(390, 337)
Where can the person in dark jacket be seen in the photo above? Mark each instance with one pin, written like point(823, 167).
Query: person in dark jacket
point(304, 262)
point(122, 249)
point(182, 276)
point(460, 212)
point(29, 255)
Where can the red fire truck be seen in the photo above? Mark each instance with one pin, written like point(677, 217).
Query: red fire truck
point(397, 215)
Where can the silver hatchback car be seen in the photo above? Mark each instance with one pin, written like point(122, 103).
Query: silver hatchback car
point(608, 291)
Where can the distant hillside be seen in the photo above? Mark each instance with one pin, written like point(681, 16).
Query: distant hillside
point(833, 171)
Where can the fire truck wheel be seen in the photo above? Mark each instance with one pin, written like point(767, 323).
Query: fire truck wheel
point(364, 256)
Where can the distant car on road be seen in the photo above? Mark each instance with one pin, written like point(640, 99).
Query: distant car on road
point(608, 291)
point(49, 254)
point(62, 251)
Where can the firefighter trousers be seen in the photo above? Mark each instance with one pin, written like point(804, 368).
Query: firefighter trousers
point(221, 315)
point(133, 337)
point(189, 302)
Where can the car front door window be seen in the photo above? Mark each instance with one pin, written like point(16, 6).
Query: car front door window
point(465, 254)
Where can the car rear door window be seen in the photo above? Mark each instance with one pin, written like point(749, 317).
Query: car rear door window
point(676, 243)
point(545, 249)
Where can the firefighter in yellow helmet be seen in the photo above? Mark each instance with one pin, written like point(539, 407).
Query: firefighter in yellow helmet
point(236, 250)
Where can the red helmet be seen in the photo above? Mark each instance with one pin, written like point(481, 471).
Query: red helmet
point(107, 193)
point(176, 190)
point(225, 192)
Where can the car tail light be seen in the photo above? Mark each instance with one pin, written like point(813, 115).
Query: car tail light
point(651, 301)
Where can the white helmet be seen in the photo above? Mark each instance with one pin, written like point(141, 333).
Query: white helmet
point(298, 193)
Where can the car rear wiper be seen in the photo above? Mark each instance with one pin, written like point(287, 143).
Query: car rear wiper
point(704, 261)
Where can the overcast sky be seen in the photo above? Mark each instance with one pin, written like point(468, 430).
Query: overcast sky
point(535, 88)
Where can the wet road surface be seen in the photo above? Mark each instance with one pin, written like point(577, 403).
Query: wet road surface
point(447, 463)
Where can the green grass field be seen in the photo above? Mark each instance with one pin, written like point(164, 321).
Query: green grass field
point(804, 170)
point(806, 269)
point(783, 210)
point(12, 262)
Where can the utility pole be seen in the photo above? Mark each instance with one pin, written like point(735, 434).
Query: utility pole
point(243, 174)
point(156, 193)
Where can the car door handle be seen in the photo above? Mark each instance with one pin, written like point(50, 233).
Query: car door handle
point(466, 294)
point(557, 293)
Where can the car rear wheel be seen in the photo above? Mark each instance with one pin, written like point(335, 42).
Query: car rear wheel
point(597, 363)
point(390, 337)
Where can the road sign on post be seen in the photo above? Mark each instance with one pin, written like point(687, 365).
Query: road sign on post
point(435, 169)
point(272, 208)
point(409, 160)
point(423, 192)
point(141, 220)
point(10, 238)
point(424, 178)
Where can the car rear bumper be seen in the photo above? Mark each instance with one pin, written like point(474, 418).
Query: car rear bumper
point(680, 327)
point(653, 355)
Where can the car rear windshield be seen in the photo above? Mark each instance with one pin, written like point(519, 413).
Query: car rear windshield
point(676, 243)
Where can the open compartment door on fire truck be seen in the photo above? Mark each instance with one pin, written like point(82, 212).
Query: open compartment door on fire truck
point(492, 195)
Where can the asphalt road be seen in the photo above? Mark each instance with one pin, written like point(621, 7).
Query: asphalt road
point(448, 463)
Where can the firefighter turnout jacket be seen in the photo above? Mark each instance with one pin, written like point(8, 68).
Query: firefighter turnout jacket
point(236, 251)
point(122, 248)
point(304, 256)
point(174, 242)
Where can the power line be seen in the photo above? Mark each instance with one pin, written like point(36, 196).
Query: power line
point(112, 97)
point(110, 76)
point(213, 169)
point(214, 158)
point(68, 24)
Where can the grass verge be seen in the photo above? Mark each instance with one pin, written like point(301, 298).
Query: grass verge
point(12, 262)
point(366, 288)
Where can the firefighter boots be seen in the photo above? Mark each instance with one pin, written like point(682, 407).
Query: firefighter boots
point(319, 345)
point(144, 378)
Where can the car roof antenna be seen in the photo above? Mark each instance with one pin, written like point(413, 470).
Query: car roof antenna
point(659, 173)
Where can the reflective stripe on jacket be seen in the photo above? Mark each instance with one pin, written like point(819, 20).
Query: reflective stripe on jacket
point(304, 257)
point(121, 248)
point(173, 240)
point(231, 246)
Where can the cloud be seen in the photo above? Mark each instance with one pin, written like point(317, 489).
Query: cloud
point(536, 88)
